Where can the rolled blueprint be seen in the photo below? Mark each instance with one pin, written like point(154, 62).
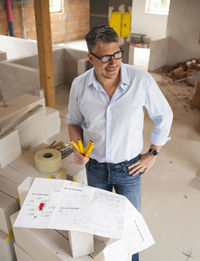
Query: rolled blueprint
point(48, 160)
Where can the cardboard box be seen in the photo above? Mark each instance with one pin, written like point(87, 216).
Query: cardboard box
point(10, 148)
point(44, 244)
point(21, 254)
point(7, 252)
point(8, 206)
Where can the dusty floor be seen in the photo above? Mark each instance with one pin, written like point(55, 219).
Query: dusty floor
point(171, 189)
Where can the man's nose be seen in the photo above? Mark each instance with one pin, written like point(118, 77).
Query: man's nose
point(112, 60)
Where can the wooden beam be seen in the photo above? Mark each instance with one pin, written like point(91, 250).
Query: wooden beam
point(43, 29)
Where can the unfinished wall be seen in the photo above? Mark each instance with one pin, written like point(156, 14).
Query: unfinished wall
point(21, 76)
point(153, 25)
point(70, 24)
point(17, 47)
point(183, 30)
point(158, 53)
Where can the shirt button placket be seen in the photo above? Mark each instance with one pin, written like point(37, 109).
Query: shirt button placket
point(108, 133)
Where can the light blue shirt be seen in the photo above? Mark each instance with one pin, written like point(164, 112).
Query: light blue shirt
point(116, 125)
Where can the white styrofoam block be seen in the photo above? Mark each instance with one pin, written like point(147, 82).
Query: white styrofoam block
point(81, 243)
point(53, 129)
point(12, 174)
point(51, 113)
point(44, 244)
point(23, 189)
point(21, 254)
point(10, 148)
point(75, 172)
point(8, 187)
point(17, 107)
point(39, 92)
point(7, 252)
point(8, 206)
point(32, 131)
point(53, 122)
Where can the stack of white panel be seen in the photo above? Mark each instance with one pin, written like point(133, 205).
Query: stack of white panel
point(10, 148)
point(17, 107)
point(32, 131)
point(8, 206)
point(53, 122)
point(43, 244)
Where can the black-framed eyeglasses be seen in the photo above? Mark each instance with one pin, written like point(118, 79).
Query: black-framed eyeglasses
point(107, 58)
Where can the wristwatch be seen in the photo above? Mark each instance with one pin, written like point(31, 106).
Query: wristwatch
point(153, 152)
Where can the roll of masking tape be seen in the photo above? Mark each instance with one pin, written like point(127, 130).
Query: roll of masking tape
point(48, 160)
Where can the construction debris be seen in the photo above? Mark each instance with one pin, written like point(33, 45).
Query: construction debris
point(188, 71)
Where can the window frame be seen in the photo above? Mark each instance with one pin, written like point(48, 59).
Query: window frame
point(158, 11)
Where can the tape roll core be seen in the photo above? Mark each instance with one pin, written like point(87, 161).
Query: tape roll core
point(47, 155)
point(48, 160)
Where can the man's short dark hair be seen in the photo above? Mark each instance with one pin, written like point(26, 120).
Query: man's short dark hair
point(100, 33)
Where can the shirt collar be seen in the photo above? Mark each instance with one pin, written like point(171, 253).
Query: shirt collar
point(124, 77)
point(124, 83)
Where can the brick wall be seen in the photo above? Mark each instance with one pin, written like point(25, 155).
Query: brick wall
point(71, 23)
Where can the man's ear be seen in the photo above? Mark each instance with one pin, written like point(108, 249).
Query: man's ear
point(90, 58)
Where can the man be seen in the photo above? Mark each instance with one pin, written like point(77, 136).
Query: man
point(107, 105)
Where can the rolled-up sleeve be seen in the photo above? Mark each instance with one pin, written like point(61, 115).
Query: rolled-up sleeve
point(159, 111)
point(74, 115)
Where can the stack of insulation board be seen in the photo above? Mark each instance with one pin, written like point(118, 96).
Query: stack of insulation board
point(37, 127)
point(8, 206)
point(52, 244)
point(12, 178)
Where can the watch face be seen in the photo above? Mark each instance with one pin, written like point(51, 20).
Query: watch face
point(153, 152)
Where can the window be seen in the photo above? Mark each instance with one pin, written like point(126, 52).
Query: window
point(157, 7)
point(55, 6)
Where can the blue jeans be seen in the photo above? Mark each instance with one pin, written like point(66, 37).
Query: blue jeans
point(108, 175)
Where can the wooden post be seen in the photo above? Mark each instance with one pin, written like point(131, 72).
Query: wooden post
point(43, 29)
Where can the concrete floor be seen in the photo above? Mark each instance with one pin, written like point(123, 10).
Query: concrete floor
point(171, 189)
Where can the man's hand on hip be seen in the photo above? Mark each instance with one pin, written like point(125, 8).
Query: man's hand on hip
point(143, 165)
point(79, 158)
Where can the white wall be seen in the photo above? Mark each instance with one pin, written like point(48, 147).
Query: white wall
point(183, 30)
point(153, 25)
point(17, 47)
